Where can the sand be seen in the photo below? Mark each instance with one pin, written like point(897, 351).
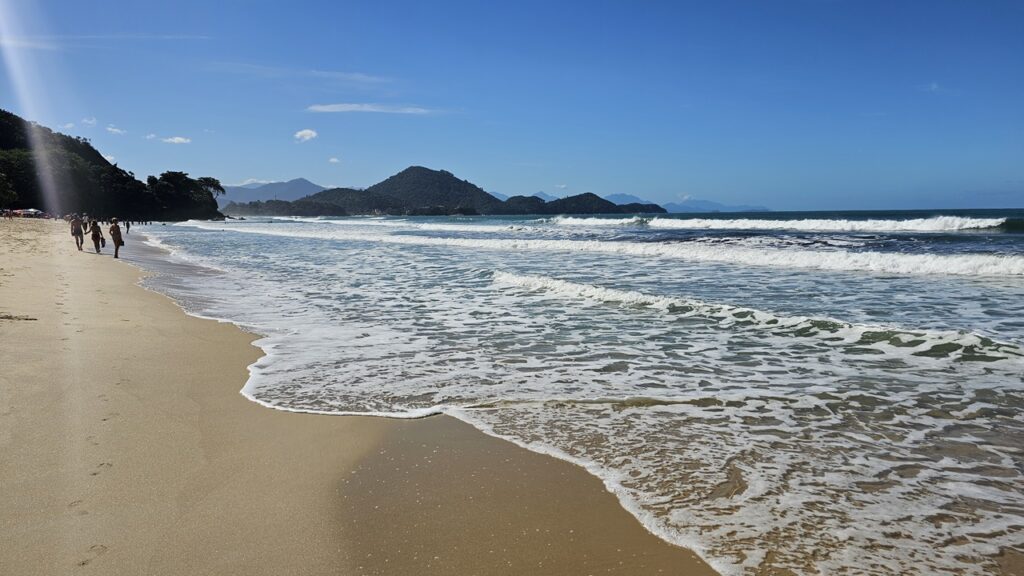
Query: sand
point(127, 449)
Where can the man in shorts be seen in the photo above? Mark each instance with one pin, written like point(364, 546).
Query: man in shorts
point(77, 231)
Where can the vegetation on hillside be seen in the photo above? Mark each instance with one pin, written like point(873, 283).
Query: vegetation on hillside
point(85, 182)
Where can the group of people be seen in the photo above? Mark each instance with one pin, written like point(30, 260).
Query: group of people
point(81, 226)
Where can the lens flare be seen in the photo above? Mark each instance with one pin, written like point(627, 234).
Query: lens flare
point(24, 75)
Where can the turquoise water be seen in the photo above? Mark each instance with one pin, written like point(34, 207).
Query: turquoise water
point(844, 389)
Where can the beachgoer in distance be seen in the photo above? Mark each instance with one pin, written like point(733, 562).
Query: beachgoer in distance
point(115, 236)
point(96, 233)
point(77, 231)
point(127, 226)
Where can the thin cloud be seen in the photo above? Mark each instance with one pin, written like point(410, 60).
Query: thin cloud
point(253, 181)
point(561, 186)
point(333, 160)
point(115, 130)
point(28, 44)
point(305, 135)
point(276, 73)
point(369, 107)
point(150, 136)
point(90, 121)
point(176, 140)
point(68, 126)
point(109, 158)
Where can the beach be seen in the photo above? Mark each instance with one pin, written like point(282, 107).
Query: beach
point(127, 449)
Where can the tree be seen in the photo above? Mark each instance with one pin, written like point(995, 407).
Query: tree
point(7, 194)
point(211, 185)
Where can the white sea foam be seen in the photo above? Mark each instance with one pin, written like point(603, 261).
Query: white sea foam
point(596, 222)
point(837, 332)
point(933, 224)
point(830, 260)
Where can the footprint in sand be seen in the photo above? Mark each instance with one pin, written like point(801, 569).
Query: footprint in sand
point(94, 552)
point(102, 466)
point(74, 505)
point(92, 440)
point(109, 416)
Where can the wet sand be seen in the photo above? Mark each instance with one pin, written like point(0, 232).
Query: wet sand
point(127, 449)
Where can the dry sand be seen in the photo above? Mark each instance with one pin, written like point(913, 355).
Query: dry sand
point(125, 448)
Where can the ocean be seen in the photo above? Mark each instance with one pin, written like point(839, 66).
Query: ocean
point(842, 390)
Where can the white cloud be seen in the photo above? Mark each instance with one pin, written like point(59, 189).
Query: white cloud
point(932, 87)
point(109, 158)
point(150, 136)
point(561, 186)
point(333, 160)
point(176, 140)
point(115, 130)
point(253, 181)
point(305, 135)
point(90, 121)
point(369, 107)
point(68, 126)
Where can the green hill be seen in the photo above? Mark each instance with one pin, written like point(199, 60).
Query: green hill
point(84, 181)
point(418, 189)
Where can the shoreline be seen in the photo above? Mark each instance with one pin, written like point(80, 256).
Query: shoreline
point(165, 468)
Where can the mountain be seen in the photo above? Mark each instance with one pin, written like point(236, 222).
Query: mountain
point(626, 199)
point(357, 201)
point(83, 181)
point(290, 190)
point(499, 196)
point(545, 196)
point(709, 206)
point(419, 191)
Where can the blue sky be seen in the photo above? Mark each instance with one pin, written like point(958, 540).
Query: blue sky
point(792, 104)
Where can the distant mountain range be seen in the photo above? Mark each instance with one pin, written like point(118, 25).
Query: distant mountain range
point(416, 191)
point(419, 190)
point(709, 206)
point(257, 191)
point(688, 205)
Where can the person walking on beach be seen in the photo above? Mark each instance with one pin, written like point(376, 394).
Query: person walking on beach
point(96, 233)
point(127, 226)
point(115, 236)
point(77, 231)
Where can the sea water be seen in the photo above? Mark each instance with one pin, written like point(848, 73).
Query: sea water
point(842, 390)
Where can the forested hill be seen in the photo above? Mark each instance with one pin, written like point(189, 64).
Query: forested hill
point(418, 188)
point(85, 182)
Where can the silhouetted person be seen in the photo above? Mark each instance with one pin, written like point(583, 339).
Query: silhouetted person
point(77, 231)
point(127, 226)
point(115, 236)
point(96, 233)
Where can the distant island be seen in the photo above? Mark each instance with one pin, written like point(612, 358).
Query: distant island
point(83, 181)
point(419, 191)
